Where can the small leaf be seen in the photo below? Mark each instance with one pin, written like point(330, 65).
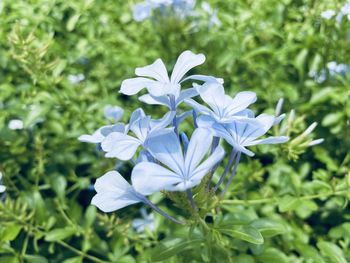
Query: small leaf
point(162, 252)
point(268, 227)
point(60, 234)
point(288, 203)
point(246, 233)
point(273, 255)
point(73, 20)
point(35, 259)
point(331, 251)
point(9, 232)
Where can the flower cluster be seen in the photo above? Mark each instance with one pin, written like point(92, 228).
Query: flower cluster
point(164, 158)
point(333, 69)
point(179, 8)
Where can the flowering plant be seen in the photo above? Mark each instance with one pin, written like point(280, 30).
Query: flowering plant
point(163, 158)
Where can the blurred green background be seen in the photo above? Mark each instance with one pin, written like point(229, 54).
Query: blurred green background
point(62, 61)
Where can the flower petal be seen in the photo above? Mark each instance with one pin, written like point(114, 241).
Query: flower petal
point(157, 70)
point(2, 188)
point(163, 122)
point(96, 137)
point(186, 61)
point(148, 178)
point(214, 95)
point(198, 147)
point(137, 114)
point(269, 140)
point(149, 99)
point(120, 145)
point(141, 127)
point(112, 181)
point(109, 202)
point(198, 107)
point(240, 102)
point(186, 94)
point(165, 146)
point(134, 85)
point(204, 78)
point(113, 112)
point(119, 127)
point(208, 164)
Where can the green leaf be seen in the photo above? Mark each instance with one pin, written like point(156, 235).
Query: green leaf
point(273, 255)
point(35, 259)
point(246, 233)
point(268, 227)
point(9, 232)
point(332, 252)
point(162, 252)
point(60, 234)
point(73, 20)
point(288, 203)
point(73, 260)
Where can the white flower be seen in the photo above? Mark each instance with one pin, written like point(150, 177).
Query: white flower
point(2, 187)
point(328, 14)
point(75, 79)
point(15, 125)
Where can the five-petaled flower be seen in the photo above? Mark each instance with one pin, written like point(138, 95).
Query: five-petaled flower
point(162, 89)
point(181, 171)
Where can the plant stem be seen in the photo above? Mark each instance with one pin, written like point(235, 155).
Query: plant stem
point(214, 144)
point(194, 116)
point(227, 168)
point(232, 174)
point(158, 210)
point(190, 198)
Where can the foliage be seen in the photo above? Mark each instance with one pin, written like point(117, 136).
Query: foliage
point(286, 205)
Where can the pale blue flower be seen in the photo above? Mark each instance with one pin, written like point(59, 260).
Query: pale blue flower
point(76, 79)
point(114, 113)
point(114, 192)
point(223, 108)
point(146, 222)
point(15, 124)
point(181, 171)
point(100, 134)
point(243, 132)
point(2, 187)
point(160, 87)
point(142, 11)
point(124, 146)
point(328, 14)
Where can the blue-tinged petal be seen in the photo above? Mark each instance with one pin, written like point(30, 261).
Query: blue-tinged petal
point(96, 137)
point(148, 178)
point(120, 145)
point(157, 70)
point(134, 85)
point(149, 99)
point(240, 102)
point(163, 122)
point(165, 146)
point(214, 95)
point(119, 127)
point(112, 181)
point(204, 78)
point(269, 140)
point(208, 164)
point(109, 201)
point(186, 61)
point(198, 107)
point(266, 121)
point(2, 188)
point(136, 115)
point(186, 94)
point(113, 112)
point(198, 147)
point(113, 192)
point(180, 118)
point(217, 129)
point(141, 127)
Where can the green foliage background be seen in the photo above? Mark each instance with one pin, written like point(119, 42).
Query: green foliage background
point(299, 204)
